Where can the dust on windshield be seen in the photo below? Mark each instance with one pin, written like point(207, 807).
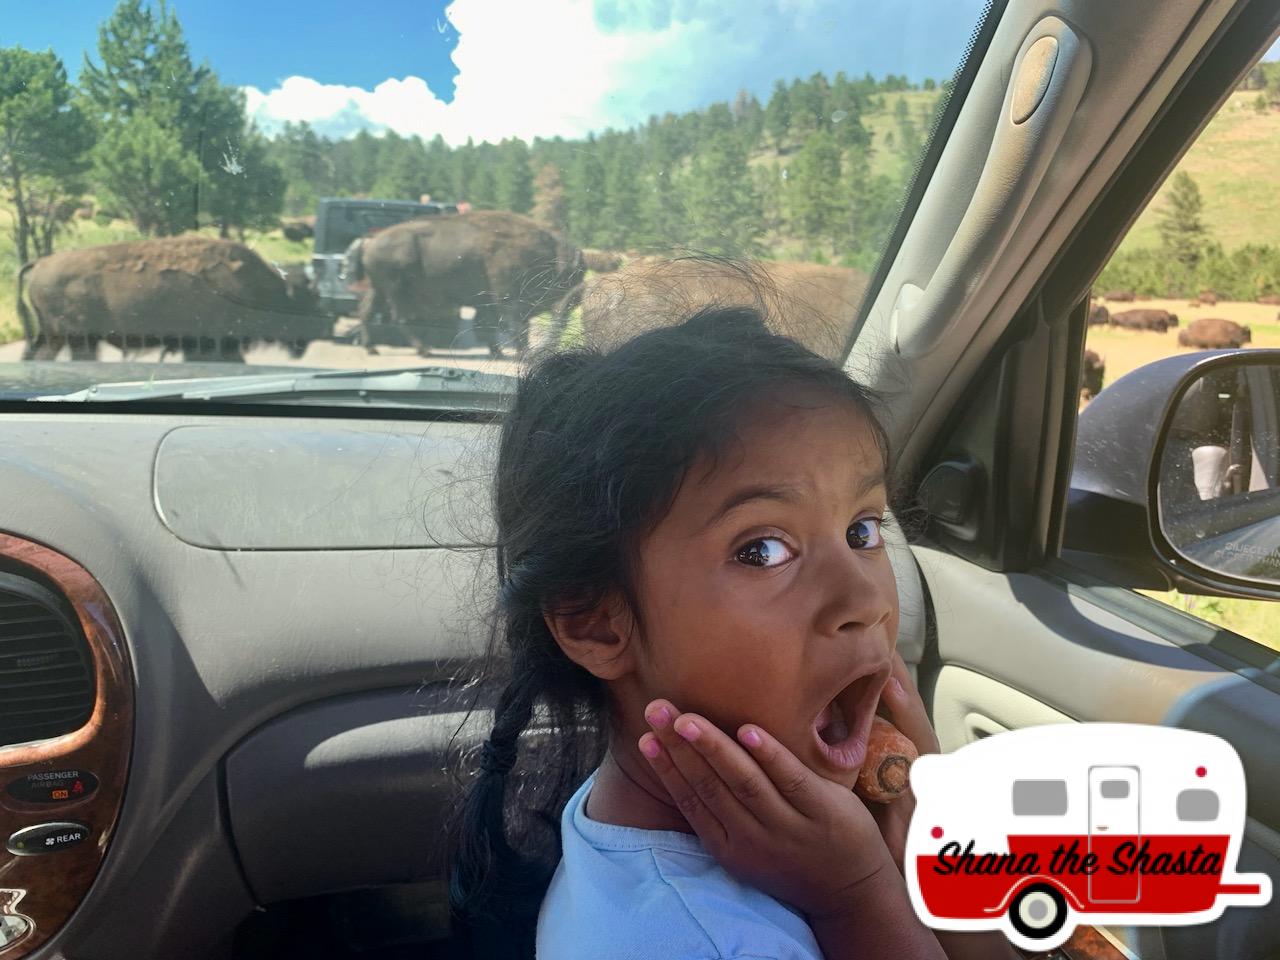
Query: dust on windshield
point(444, 187)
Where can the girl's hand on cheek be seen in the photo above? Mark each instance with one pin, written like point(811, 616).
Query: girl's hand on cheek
point(903, 707)
point(768, 819)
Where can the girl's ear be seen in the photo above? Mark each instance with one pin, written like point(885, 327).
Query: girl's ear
point(599, 640)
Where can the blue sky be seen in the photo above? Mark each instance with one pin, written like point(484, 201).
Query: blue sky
point(496, 68)
point(333, 41)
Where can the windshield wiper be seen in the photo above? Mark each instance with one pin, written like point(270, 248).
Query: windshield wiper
point(407, 386)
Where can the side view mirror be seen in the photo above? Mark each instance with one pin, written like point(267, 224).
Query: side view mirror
point(1176, 481)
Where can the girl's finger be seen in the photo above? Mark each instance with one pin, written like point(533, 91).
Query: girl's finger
point(704, 822)
point(744, 790)
point(701, 784)
point(906, 709)
point(798, 786)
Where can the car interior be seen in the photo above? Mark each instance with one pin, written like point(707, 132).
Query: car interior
point(256, 619)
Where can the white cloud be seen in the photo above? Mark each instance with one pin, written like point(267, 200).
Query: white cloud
point(524, 69)
point(567, 67)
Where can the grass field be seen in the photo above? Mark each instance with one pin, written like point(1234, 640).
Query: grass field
point(1236, 165)
point(1125, 350)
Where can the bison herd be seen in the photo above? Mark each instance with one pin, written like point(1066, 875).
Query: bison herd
point(213, 298)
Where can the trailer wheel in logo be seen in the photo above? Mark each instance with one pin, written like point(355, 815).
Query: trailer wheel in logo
point(1038, 912)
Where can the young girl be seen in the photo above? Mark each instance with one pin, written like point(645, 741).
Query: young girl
point(693, 583)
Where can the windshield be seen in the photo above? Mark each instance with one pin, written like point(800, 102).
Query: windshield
point(435, 184)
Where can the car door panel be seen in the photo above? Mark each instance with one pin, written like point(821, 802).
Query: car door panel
point(1019, 649)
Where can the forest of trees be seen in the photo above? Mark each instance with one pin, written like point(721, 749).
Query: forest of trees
point(1189, 260)
point(736, 177)
point(161, 142)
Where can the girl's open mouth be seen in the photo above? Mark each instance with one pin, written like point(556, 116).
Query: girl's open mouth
point(843, 726)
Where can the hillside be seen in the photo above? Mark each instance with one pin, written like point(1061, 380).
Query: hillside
point(1236, 165)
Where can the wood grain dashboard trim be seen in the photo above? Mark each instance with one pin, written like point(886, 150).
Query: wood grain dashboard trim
point(43, 890)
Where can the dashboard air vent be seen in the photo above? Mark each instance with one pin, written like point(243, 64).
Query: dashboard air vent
point(46, 677)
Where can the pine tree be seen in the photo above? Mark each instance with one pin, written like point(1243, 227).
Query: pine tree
point(813, 186)
point(440, 176)
point(365, 161)
point(147, 92)
point(623, 190)
point(44, 144)
point(307, 166)
point(807, 102)
point(586, 196)
point(870, 206)
point(484, 176)
point(514, 179)
point(402, 168)
point(909, 143)
point(721, 200)
point(777, 115)
point(549, 206)
point(1182, 232)
point(748, 116)
point(248, 189)
point(847, 105)
point(142, 167)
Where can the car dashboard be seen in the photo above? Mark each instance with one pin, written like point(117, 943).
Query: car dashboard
point(250, 629)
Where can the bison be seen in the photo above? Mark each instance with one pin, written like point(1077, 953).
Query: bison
point(1271, 299)
point(1157, 320)
point(1119, 296)
point(1091, 374)
point(1208, 297)
point(502, 265)
point(1098, 315)
point(208, 298)
point(1211, 333)
point(813, 303)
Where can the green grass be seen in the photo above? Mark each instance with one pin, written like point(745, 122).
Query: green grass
point(1236, 165)
point(1259, 620)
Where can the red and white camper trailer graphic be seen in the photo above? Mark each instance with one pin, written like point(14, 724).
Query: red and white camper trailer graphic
point(1107, 823)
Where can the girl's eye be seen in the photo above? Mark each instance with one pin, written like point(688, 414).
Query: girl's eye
point(764, 552)
point(864, 534)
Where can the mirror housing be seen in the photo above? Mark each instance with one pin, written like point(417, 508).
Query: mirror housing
point(1112, 518)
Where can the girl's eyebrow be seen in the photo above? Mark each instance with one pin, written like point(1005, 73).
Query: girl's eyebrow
point(782, 493)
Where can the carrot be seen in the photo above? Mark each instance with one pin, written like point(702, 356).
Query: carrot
point(883, 776)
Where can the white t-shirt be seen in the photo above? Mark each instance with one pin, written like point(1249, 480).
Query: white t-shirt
point(624, 893)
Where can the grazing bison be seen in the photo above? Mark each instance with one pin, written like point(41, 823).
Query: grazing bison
point(1272, 299)
point(1091, 374)
point(1157, 320)
point(503, 265)
point(1098, 314)
point(1208, 296)
point(1211, 333)
point(1119, 296)
point(208, 298)
point(813, 303)
point(297, 230)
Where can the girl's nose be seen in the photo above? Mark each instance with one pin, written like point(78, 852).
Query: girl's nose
point(859, 589)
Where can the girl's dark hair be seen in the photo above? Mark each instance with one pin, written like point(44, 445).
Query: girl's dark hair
point(590, 457)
